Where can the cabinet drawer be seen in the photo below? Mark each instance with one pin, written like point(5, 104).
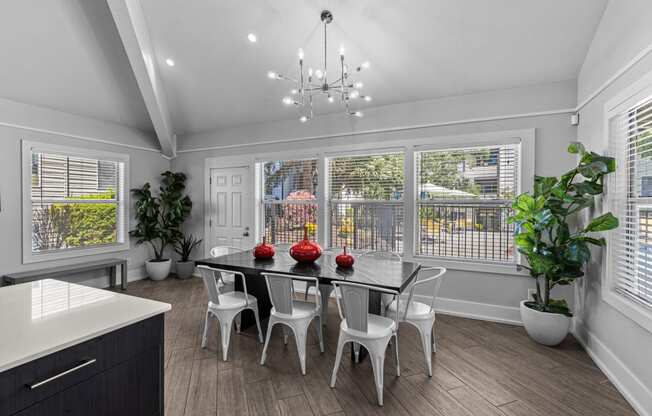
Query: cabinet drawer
point(42, 378)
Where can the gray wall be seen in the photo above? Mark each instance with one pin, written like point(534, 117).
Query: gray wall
point(617, 343)
point(20, 121)
point(492, 296)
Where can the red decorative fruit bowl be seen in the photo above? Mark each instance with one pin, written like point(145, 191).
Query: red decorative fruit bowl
point(305, 251)
point(344, 259)
point(264, 250)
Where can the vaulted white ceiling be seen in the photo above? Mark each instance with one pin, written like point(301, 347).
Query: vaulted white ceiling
point(68, 55)
point(419, 49)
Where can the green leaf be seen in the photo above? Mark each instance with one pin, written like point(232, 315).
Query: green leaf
point(578, 252)
point(593, 169)
point(576, 147)
point(604, 222)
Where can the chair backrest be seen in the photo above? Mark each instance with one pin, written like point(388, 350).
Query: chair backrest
point(435, 279)
point(354, 306)
point(218, 251)
point(386, 255)
point(211, 275)
point(280, 289)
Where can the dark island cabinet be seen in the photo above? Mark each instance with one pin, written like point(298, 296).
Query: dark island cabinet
point(117, 374)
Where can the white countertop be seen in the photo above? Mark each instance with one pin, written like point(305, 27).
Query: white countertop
point(39, 318)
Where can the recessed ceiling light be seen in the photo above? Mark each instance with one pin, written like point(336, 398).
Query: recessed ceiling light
point(169, 61)
point(252, 38)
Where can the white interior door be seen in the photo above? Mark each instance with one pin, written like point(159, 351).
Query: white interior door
point(231, 217)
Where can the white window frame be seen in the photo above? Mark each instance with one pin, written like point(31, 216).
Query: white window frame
point(28, 147)
point(526, 137)
point(626, 99)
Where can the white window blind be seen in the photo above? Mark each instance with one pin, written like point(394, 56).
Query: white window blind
point(463, 202)
point(630, 194)
point(289, 199)
point(366, 201)
point(76, 202)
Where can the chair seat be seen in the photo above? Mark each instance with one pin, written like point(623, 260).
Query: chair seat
point(417, 310)
point(232, 300)
point(299, 310)
point(377, 327)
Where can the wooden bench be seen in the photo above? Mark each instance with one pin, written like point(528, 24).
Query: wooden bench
point(59, 271)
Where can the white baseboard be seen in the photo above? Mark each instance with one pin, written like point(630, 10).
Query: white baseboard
point(635, 392)
point(475, 310)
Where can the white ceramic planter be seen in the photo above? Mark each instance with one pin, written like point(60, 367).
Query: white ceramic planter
point(158, 270)
point(543, 327)
point(185, 269)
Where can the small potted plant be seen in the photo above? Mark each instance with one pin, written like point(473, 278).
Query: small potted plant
point(184, 248)
point(159, 219)
point(555, 247)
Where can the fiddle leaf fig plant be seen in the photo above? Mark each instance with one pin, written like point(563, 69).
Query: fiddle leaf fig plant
point(160, 217)
point(546, 234)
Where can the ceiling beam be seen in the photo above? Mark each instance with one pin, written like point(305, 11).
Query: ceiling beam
point(130, 21)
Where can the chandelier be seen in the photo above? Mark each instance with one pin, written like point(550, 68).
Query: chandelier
point(316, 82)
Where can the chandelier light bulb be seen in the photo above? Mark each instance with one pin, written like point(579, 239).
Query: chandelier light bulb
point(354, 94)
point(330, 99)
point(300, 53)
point(309, 72)
point(303, 119)
point(294, 92)
point(367, 98)
point(252, 38)
point(358, 114)
point(358, 85)
point(365, 65)
point(346, 69)
point(271, 75)
point(342, 50)
point(288, 100)
point(319, 74)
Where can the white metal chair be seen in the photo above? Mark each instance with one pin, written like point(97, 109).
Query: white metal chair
point(292, 313)
point(227, 279)
point(419, 314)
point(369, 330)
point(226, 306)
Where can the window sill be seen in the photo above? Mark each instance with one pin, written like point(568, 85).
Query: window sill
point(29, 258)
point(470, 266)
point(628, 307)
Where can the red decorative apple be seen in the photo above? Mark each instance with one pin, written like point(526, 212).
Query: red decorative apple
point(344, 259)
point(264, 250)
point(305, 251)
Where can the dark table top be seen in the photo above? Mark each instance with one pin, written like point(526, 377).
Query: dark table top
point(389, 274)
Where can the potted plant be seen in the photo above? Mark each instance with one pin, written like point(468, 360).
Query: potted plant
point(159, 219)
point(184, 248)
point(556, 248)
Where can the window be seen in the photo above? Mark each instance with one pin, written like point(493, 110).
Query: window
point(463, 201)
point(289, 200)
point(366, 202)
point(73, 202)
point(630, 134)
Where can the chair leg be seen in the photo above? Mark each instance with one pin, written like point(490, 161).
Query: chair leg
point(398, 363)
point(356, 352)
point(300, 330)
point(425, 331)
point(203, 338)
point(320, 334)
point(263, 358)
point(434, 345)
point(260, 331)
point(325, 292)
point(238, 320)
point(285, 334)
point(305, 294)
point(338, 359)
point(225, 333)
point(377, 364)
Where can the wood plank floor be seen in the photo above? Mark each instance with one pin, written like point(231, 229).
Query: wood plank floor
point(480, 368)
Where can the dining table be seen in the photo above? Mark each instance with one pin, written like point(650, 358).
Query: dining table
point(385, 273)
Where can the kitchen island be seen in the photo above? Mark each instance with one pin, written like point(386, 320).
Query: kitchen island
point(68, 349)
